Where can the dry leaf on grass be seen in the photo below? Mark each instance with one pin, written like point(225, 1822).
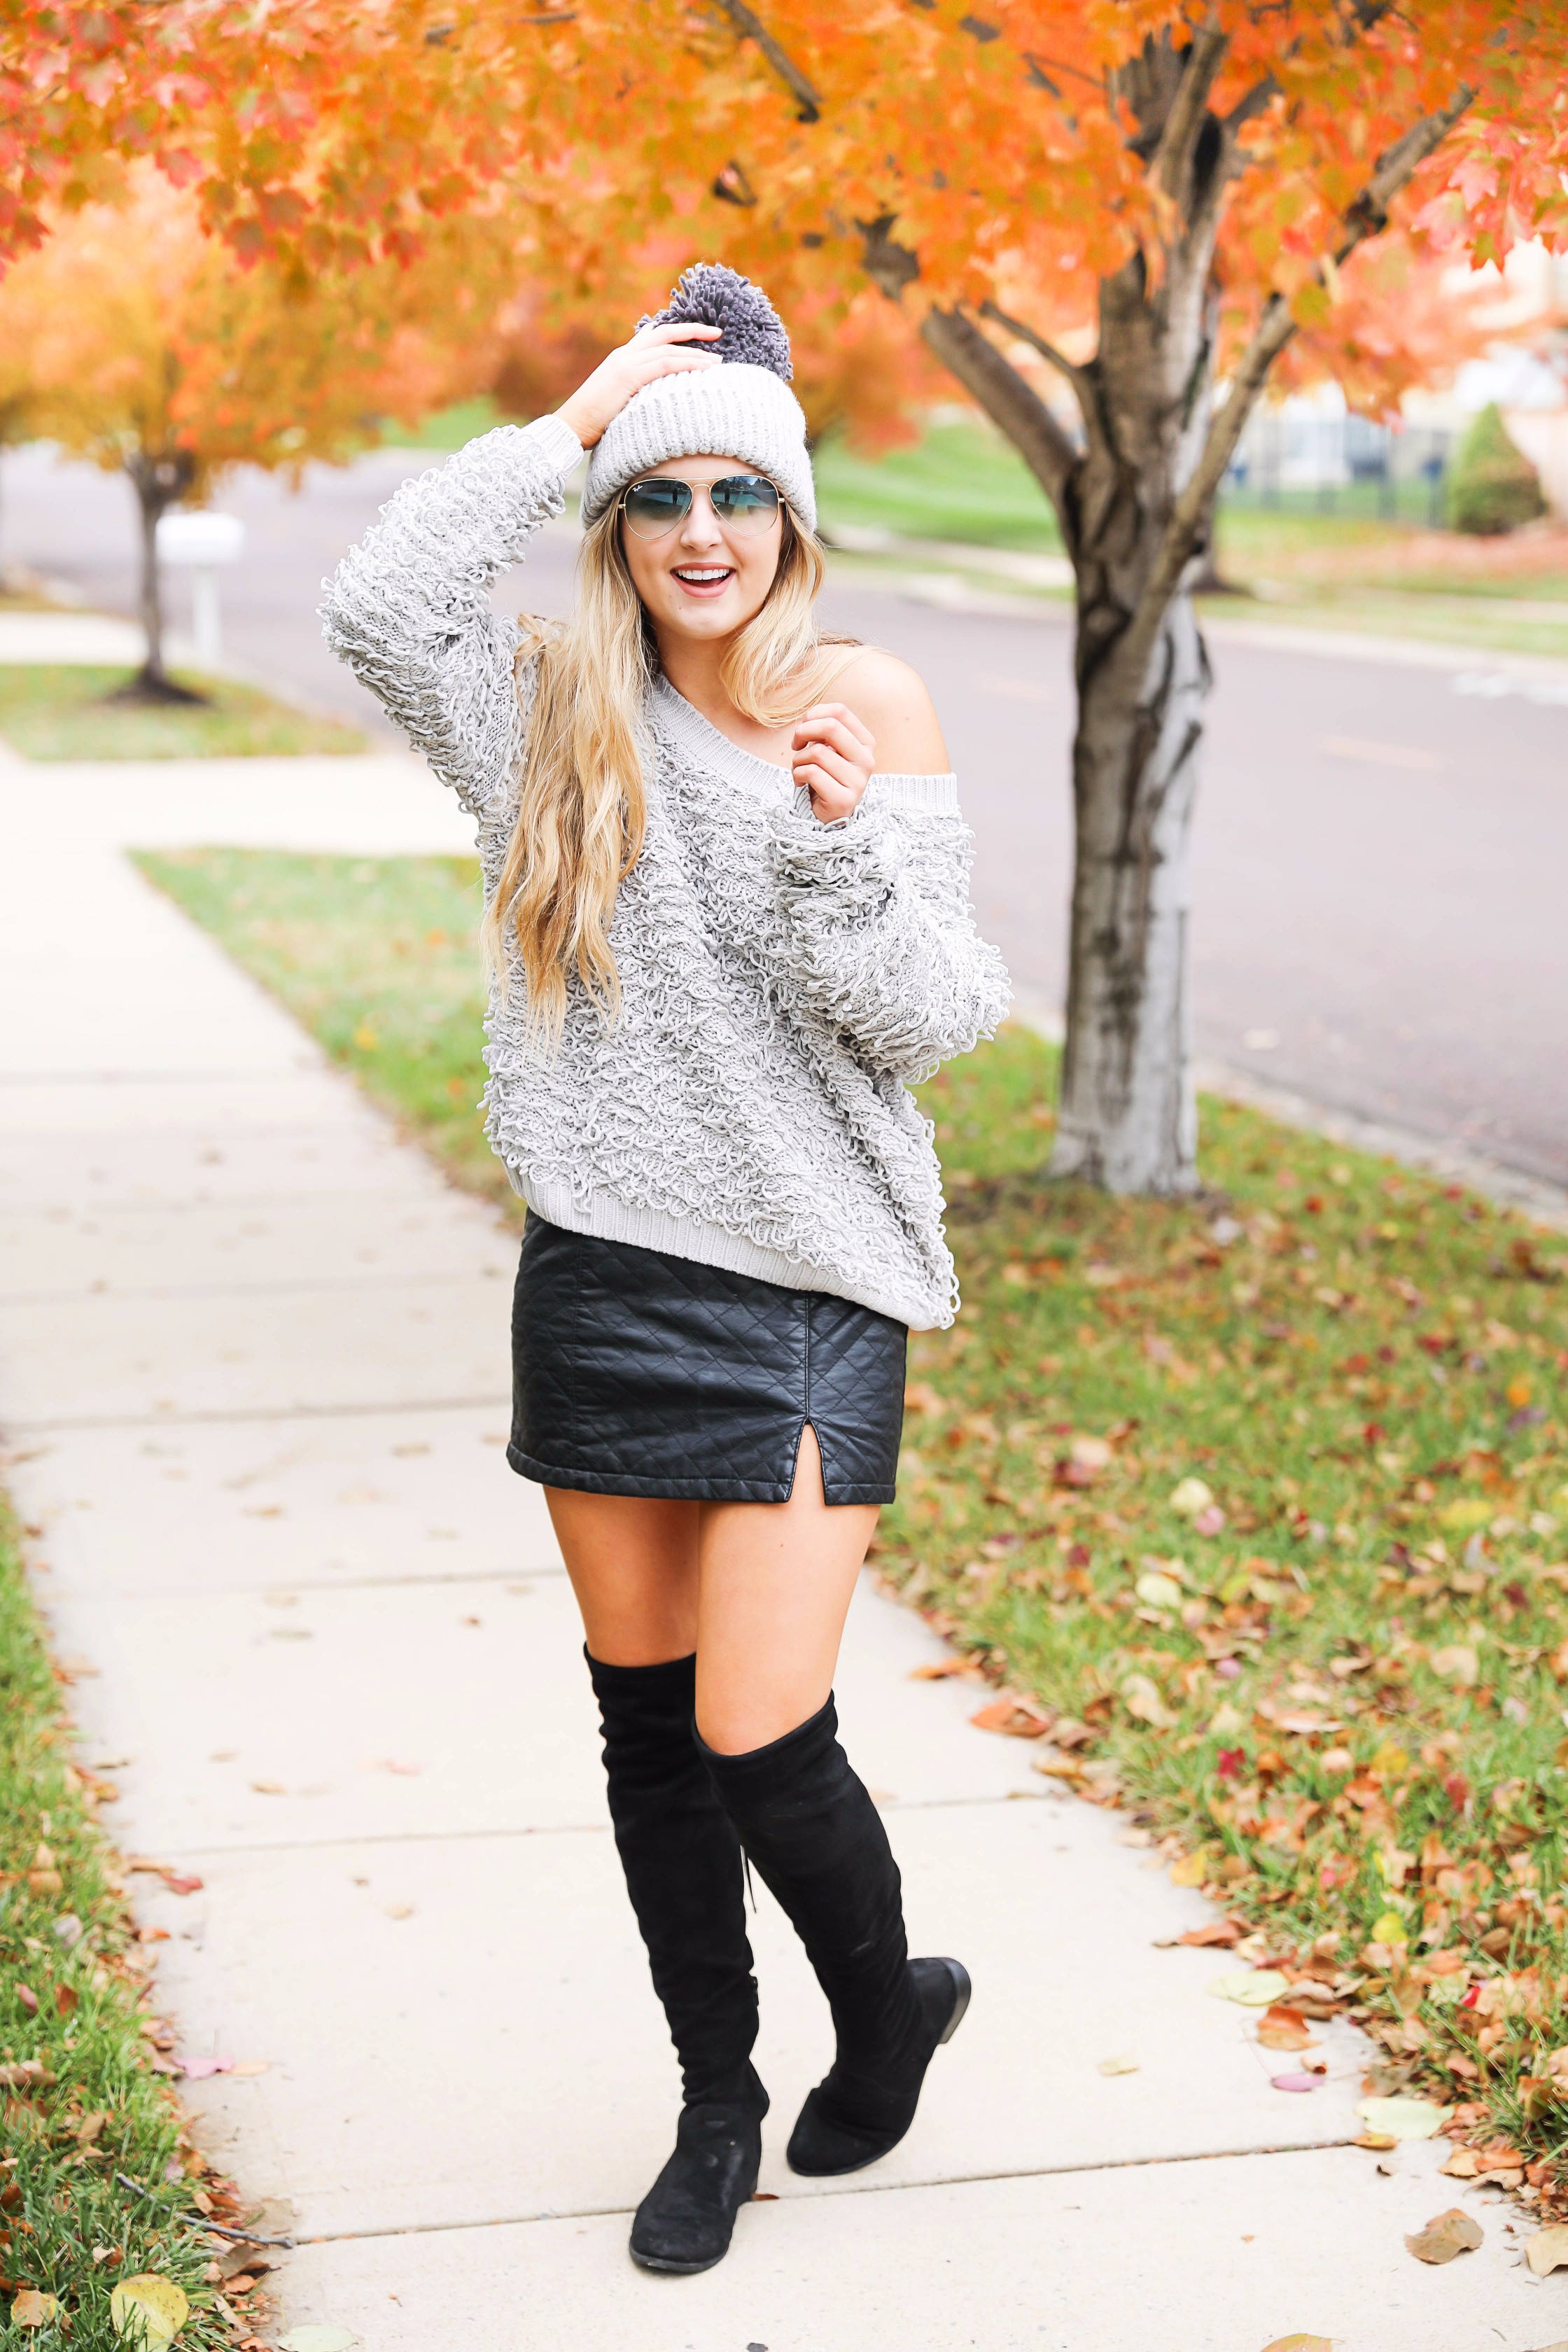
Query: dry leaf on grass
point(1548, 2250)
point(1192, 1870)
point(1403, 2118)
point(32, 2309)
point(148, 2310)
point(1141, 1697)
point(1446, 2235)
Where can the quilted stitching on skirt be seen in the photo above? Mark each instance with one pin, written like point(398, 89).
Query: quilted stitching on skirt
point(635, 1372)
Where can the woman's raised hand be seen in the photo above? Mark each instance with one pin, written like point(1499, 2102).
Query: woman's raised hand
point(652, 353)
point(831, 753)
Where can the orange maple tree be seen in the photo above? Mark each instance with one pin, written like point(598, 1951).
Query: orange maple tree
point(138, 342)
point(1160, 198)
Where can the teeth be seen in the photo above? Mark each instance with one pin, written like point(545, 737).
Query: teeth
point(719, 572)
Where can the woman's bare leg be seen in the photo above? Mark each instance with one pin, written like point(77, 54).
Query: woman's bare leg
point(760, 1590)
point(632, 1560)
point(775, 1582)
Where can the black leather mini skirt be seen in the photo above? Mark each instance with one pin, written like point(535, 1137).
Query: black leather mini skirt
point(638, 1373)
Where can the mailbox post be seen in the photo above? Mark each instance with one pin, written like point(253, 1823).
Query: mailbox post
point(202, 543)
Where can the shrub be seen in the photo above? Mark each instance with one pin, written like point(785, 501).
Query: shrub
point(1493, 486)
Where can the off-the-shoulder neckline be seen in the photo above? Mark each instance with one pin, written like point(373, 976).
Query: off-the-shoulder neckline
point(747, 767)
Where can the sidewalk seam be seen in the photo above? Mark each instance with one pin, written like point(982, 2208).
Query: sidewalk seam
point(867, 2188)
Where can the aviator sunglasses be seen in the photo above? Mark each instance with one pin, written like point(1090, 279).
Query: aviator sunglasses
point(741, 503)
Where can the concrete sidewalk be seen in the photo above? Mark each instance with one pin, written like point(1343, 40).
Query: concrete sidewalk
point(253, 1382)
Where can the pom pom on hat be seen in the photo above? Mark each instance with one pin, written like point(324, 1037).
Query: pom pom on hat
point(711, 295)
point(743, 410)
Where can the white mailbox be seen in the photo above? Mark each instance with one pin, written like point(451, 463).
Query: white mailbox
point(200, 542)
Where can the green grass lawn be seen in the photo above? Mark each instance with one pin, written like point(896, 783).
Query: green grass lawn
point(1481, 621)
point(959, 481)
point(1254, 1507)
point(98, 2184)
point(65, 713)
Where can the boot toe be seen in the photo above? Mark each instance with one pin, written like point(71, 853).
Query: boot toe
point(824, 2144)
point(685, 2222)
point(844, 2125)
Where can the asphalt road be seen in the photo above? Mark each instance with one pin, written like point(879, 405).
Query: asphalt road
point(1381, 850)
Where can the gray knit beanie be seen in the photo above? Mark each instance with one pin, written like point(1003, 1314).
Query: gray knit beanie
point(744, 409)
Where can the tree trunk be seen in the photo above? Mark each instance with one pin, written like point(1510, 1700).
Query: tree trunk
point(1127, 1119)
point(159, 483)
point(1136, 507)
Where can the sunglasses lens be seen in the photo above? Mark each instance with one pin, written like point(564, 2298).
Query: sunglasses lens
point(745, 501)
point(654, 506)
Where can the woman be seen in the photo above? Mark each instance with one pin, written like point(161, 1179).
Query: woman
point(728, 922)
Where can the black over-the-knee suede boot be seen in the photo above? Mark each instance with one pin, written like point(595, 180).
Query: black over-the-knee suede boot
point(682, 1863)
point(810, 1829)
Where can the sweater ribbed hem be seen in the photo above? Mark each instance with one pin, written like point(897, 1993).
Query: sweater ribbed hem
point(610, 1220)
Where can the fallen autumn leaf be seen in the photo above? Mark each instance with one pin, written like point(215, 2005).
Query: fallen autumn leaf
point(1403, 2118)
point(1548, 2250)
point(32, 2309)
point(148, 2309)
point(1285, 2028)
point(1253, 1988)
point(1446, 2235)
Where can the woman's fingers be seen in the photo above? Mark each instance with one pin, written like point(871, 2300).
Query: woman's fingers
point(675, 330)
point(656, 352)
point(832, 735)
point(841, 713)
point(829, 801)
point(847, 775)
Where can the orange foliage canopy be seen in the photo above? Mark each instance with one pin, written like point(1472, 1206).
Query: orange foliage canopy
point(995, 137)
point(140, 335)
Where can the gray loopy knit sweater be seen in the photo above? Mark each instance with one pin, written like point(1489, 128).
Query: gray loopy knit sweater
point(782, 980)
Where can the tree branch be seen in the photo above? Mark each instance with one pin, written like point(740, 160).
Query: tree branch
point(752, 29)
point(1009, 400)
point(1059, 359)
point(1006, 396)
point(1172, 163)
point(1366, 217)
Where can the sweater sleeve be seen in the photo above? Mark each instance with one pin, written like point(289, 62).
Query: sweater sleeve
point(408, 609)
point(879, 933)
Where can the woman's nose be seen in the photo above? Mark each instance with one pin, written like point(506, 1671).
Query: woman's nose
point(701, 526)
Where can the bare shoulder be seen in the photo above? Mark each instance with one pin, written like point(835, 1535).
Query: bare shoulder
point(892, 700)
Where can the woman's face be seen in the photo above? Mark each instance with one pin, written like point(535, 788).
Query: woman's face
point(705, 577)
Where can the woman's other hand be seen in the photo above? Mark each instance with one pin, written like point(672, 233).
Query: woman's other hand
point(656, 352)
point(831, 753)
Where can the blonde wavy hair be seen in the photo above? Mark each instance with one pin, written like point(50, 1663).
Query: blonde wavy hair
point(581, 807)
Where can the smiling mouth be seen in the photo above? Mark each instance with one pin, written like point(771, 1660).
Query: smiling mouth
point(704, 578)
